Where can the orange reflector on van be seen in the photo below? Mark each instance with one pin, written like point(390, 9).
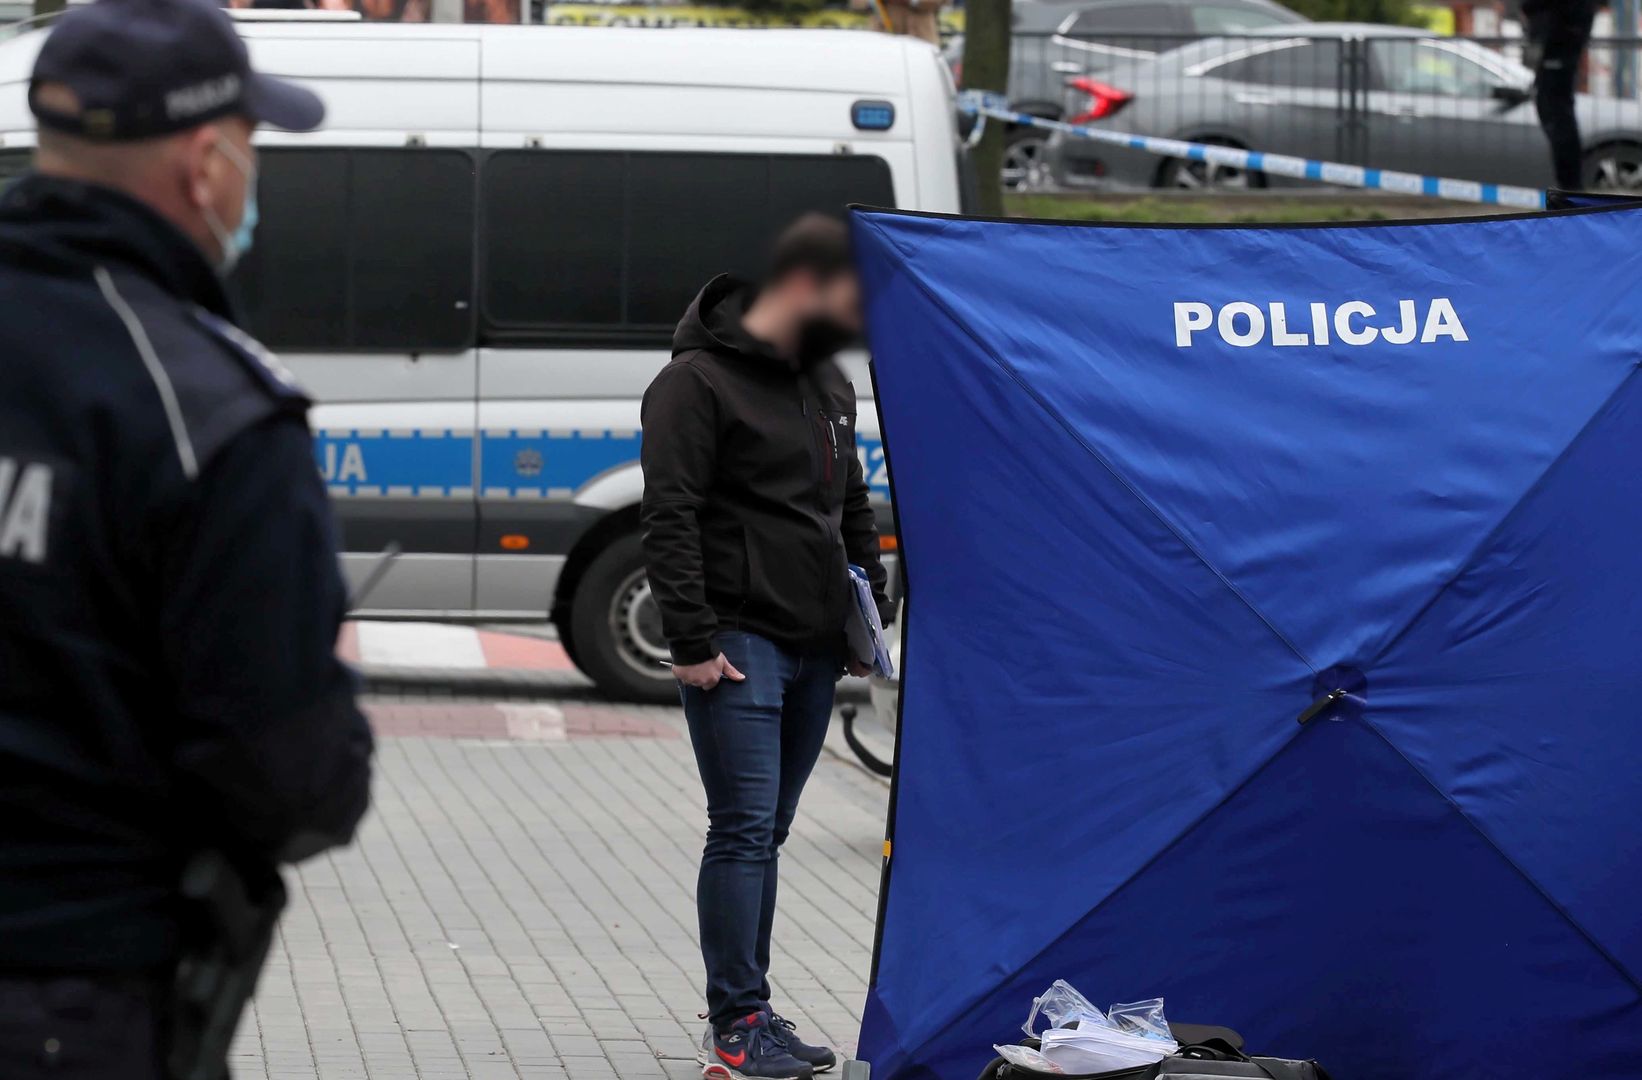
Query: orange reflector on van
point(889, 543)
point(515, 542)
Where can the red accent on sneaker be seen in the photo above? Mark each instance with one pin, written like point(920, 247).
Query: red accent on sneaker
point(733, 1062)
point(753, 1019)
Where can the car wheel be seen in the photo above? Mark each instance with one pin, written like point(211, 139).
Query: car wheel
point(617, 627)
point(1184, 175)
point(1025, 160)
point(1614, 167)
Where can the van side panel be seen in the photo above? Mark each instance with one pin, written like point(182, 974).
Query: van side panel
point(385, 90)
point(395, 427)
point(934, 130)
point(745, 60)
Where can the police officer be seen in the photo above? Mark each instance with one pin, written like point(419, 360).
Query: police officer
point(169, 593)
point(1558, 31)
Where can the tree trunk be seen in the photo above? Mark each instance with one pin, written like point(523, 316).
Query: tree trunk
point(986, 67)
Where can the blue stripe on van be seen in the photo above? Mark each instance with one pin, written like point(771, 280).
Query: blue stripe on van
point(512, 464)
point(412, 464)
point(550, 464)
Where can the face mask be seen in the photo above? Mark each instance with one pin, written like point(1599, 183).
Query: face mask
point(236, 244)
point(822, 337)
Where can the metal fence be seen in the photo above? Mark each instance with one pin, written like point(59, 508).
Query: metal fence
point(1458, 107)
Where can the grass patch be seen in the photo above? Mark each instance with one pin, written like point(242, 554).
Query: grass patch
point(1233, 210)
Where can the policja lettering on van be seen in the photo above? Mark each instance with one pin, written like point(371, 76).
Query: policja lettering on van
point(1244, 325)
point(340, 468)
point(25, 509)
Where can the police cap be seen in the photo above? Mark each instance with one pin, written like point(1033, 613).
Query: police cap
point(143, 68)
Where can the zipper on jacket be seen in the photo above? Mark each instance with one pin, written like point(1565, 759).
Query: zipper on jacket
point(832, 448)
point(824, 488)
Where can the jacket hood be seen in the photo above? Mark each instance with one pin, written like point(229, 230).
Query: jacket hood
point(713, 323)
point(67, 226)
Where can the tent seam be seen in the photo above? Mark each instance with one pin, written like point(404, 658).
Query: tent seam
point(1096, 454)
point(1533, 883)
point(1230, 794)
point(1482, 545)
point(945, 226)
point(1506, 518)
point(861, 221)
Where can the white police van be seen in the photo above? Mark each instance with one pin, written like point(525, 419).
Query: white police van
point(476, 265)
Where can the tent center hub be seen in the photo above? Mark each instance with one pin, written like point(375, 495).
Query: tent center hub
point(1338, 693)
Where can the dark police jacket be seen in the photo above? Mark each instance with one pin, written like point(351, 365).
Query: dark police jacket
point(753, 494)
point(169, 593)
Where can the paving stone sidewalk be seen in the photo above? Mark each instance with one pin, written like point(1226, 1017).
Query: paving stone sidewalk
point(520, 904)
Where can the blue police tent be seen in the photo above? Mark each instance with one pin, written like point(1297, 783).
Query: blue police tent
point(1275, 636)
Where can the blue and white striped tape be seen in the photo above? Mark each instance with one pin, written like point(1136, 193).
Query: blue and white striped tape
point(985, 103)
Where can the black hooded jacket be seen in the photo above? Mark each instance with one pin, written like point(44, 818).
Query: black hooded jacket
point(169, 592)
point(754, 497)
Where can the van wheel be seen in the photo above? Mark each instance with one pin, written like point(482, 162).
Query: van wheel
point(567, 641)
point(617, 627)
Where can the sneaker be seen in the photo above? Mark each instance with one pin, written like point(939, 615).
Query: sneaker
point(748, 1051)
point(785, 1033)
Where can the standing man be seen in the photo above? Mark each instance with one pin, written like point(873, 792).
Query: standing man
point(1558, 31)
point(169, 592)
point(754, 504)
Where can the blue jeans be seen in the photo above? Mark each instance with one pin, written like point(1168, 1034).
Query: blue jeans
point(756, 742)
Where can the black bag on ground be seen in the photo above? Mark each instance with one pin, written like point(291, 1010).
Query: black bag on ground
point(1206, 1053)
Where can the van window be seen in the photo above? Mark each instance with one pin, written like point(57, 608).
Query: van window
point(362, 249)
point(609, 246)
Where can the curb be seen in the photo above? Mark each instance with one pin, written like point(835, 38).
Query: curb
point(486, 682)
point(514, 682)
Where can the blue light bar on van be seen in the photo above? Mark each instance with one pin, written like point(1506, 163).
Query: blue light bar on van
point(872, 115)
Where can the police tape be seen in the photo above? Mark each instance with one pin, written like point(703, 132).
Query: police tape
point(985, 103)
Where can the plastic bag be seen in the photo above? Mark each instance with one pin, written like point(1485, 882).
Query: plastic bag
point(1063, 1006)
point(1141, 1018)
point(1080, 1038)
point(1024, 1057)
point(1090, 1049)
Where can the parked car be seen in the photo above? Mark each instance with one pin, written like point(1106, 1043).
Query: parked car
point(1054, 40)
point(1379, 96)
